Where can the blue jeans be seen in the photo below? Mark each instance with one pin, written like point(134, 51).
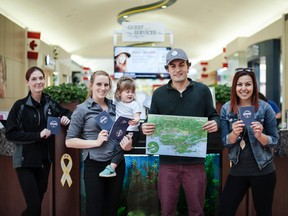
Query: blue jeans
point(193, 180)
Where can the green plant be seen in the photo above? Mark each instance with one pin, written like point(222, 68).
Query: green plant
point(67, 92)
point(222, 93)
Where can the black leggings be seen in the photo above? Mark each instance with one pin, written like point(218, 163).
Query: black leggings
point(102, 194)
point(118, 155)
point(236, 187)
point(33, 182)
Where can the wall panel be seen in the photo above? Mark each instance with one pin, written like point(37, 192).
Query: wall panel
point(19, 89)
point(9, 38)
point(2, 35)
point(19, 43)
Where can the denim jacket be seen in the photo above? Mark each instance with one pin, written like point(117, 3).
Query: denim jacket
point(266, 116)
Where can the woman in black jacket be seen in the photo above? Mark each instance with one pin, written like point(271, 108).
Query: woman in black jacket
point(26, 127)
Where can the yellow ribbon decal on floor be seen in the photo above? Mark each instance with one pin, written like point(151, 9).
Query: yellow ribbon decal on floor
point(66, 169)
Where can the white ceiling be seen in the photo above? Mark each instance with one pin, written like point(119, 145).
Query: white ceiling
point(201, 27)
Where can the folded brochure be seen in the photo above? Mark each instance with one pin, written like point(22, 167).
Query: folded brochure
point(117, 129)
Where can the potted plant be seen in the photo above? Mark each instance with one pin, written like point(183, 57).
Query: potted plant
point(222, 95)
point(67, 93)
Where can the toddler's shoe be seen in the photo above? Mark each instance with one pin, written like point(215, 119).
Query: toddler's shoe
point(108, 172)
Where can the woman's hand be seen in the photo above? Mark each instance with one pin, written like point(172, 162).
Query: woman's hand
point(238, 127)
point(257, 129)
point(64, 120)
point(45, 133)
point(102, 137)
point(148, 128)
point(126, 143)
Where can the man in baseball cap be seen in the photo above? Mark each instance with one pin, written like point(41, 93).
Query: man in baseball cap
point(182, 96)
point(174, 54)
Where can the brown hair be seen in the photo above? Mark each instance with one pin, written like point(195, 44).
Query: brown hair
point(124, 83)
point(187, 62)
point(234, 98)
point(32, 70)
point(94, 75)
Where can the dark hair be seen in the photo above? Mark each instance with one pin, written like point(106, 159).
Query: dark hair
point(235, 99)
point(124, 83)
point(262, 97)
point(99, 73)
point(32, 70)
point(187, 61)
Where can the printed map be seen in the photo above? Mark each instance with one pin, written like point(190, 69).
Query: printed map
point(177, 136)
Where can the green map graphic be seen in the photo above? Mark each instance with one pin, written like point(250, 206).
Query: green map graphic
point(177, 136)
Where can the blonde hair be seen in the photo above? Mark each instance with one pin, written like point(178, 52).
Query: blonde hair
point(94, 75)
point(124, 83)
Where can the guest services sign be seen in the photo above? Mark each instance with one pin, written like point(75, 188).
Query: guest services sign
point(145, 32)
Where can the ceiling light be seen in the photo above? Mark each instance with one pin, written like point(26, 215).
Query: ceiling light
point(144, 8)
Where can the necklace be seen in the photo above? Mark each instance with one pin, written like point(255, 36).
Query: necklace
point(242, 142)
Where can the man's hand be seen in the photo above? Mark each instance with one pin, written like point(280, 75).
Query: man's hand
point(148, 128)
point(210, 126)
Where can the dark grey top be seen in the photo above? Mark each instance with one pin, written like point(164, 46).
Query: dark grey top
point(83, 125)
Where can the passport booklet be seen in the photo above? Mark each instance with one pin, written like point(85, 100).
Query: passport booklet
point(246, 114)
point(53, 124)
point(117, 129)
point(104, 120)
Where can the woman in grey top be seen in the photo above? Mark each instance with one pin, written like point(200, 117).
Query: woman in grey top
point(102, 194)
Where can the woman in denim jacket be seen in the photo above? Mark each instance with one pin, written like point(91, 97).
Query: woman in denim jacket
point(250, 147)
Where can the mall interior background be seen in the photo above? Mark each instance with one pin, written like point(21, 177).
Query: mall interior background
point(266, 47)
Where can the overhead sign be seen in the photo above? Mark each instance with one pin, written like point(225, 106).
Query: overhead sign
point(142, 32)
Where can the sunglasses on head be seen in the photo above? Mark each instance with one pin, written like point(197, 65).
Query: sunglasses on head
point(248, 69)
